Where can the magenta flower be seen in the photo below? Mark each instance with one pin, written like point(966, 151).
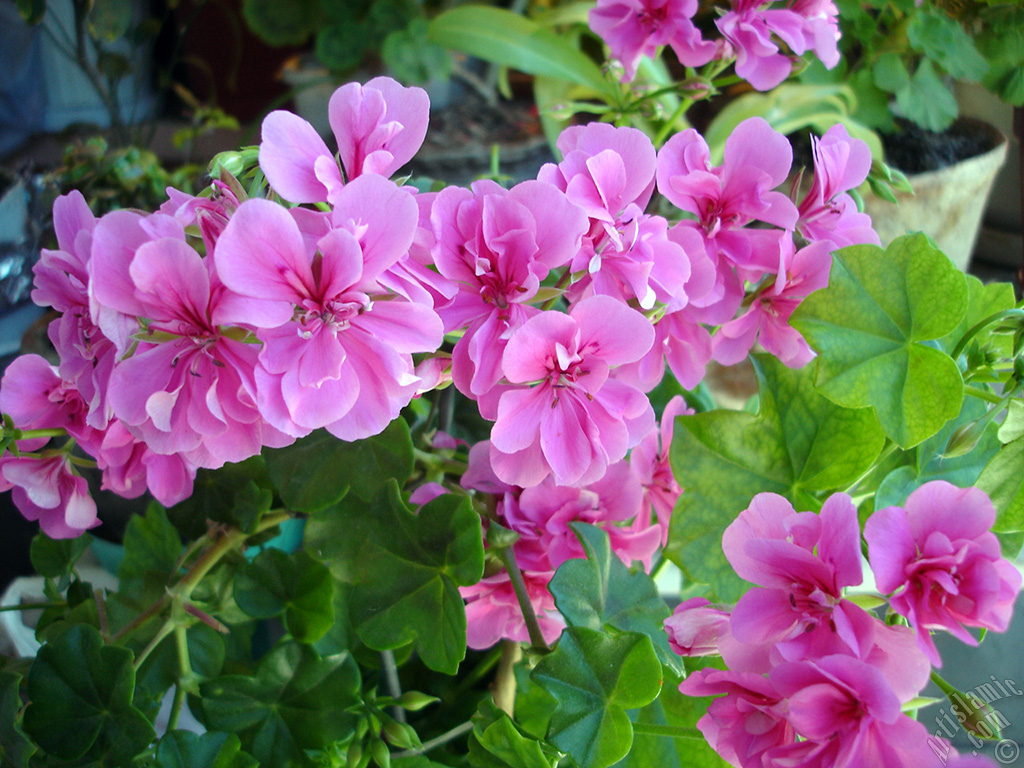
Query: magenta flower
point(378, 126)
point(798, 274)
point(942, 564)
point(827, 212)
point(695, 626)
point(848, 716)
point(745, 723)
point(337, 351)
point(575, 420)
point(650, 461)
point(497, 246)
point(636, 28)
point(749, 27)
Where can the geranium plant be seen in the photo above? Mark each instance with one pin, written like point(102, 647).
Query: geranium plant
point(487, 407)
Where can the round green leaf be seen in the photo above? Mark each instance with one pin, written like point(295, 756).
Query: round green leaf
point(874, 328)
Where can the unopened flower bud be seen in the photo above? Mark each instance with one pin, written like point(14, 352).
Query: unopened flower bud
point(696, 88)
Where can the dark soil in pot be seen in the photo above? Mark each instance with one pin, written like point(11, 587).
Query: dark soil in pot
point(914, 149)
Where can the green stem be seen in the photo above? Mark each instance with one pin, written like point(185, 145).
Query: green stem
point(394, 685)
point(508, 557)
point(444, 738)
point(176, 707)
point(504, 694)
point(666, 129)
point(675, 731)
point(158, 638)
point(981, 394)
point(32, 606)
point(978, 327)
point(562, 282)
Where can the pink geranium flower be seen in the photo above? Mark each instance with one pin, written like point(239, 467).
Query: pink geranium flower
point(827, 212)
point(745, 723)
point(49, 490)
point(576, 420)
point(942, 564)
point(497, 246)
point(378, 126)
point(650, 461)
point(695, 626)
point(337, 350)
point(493, 612)
point(636, 28)
point(847, 714)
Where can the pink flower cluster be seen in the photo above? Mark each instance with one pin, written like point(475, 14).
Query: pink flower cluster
point(220, 324)
point(812, 678)
point(752, 34)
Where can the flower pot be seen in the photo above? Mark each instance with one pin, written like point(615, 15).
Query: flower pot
point(948, 203)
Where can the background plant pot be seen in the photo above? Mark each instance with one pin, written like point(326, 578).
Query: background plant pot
point(947, 203)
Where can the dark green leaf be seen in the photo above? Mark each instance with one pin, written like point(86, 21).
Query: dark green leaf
point(152, 548)
point(15, 747)
point(675, 710)
point(295, 701)
point(341, 47)
point(54, 558)
point(317, 471)
point(236, 494)
point(601, 593)
point(184, 749)
point(110, 19)
point(81, 693)
point(281, 22)
point(296, 585)
point(799, 441)
point(405, 570)
point(873, 329)
point(595, 678)
point(32, 11)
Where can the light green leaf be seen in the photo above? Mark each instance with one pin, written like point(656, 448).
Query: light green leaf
point(405, 570)
point(942, 39)
point(497, 742)
point(295, 701)
point(927, 99)
point(602, 593)
point(799, 441)
point(1012, 427)
point(319, 470)
point(874, 327)
point(983, 300)
point(595, 678)
point(928, 464)
point(509, 39)
point(1003, 481)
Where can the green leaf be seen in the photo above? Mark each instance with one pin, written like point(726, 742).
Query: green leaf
point(81, 696)
point(1003, 480)
point(236, 494)
point(341, 47)
point(595, 678)
point(497, 742)
point(928, 463)
point(927, 99)
point(942, 39)
point(152, 548)
point(281, 22)
point(15, 747)
point(872, 326)
point(318, 470)
point(110, 19)
point(983, 300)
point(890, 73)
point(405, 570)
point(161, 669)
point(413, 58)
point(602, 593)
point(296, 585)
point(1012, 427)
point(184, 749)
point(799, 441)
point(54, 558)
point(509, 39)
point(295, 701)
